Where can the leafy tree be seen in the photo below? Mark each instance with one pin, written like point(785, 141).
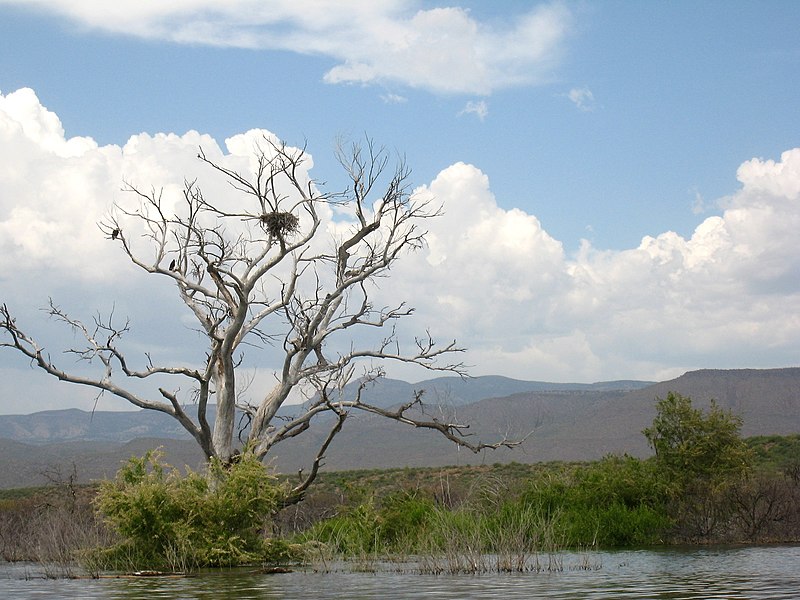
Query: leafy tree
point(701, 456)
point(259, 267)
point(692, 446)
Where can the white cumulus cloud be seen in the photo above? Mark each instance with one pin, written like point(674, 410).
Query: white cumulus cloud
point(492, 277)
point(442, 49)
point(728, 296)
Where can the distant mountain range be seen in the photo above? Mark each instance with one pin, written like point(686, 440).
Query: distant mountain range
point(68, 425)
point(562, 422)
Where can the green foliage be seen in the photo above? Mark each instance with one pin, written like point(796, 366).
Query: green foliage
point(702, 457)
point(691, 446)
point(614, 502)
point(396, 525)
point(168, 520)
point(14, 494)
point(617, 501)
point(354, 532)
point(775, 452)
point(693, 488)
point(623, 480)
point(623, 499)
point(614, 525)
point(508, 511)
point(403, 517)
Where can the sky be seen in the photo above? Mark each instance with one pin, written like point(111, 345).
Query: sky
point(620, 180)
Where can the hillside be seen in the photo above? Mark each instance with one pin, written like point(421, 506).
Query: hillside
point(26, 465)
point(123, 426)
point(580, 422)
point(563, 425)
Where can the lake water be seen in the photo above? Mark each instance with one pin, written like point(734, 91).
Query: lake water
point(771, 572)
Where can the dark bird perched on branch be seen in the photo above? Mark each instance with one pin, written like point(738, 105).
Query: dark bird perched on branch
point(115, 234)
point(172, 265)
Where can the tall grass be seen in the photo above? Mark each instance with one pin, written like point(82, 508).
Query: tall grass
point(515, 539)
point(489, 534)
point(505, 526)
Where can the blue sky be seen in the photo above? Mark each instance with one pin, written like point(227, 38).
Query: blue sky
point(598, 125)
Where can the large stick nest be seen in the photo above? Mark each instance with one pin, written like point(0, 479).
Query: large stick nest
point(279, 224)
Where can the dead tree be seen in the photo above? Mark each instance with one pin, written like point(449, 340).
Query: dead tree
point(258, 268)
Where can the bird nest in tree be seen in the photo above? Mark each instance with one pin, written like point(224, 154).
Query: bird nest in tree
point(278, 224)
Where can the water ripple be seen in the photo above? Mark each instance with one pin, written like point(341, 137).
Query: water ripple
point(751, 573)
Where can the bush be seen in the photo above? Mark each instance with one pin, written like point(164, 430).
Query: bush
point(617, 501)
point(398, 524)
point(404, 517)
point(354, 532)
point(181, 522)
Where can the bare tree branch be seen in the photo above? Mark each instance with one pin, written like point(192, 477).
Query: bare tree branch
point(256, 268)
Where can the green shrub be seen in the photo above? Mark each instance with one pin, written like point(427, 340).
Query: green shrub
point(397, 524)
point(613, 525)
point(550, 494)
point(403, 519)
point(775, 452)
point(623, 480)
point(164, 519)
point(617, 501)
point(352, 533)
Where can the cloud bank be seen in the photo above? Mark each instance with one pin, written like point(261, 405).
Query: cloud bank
point(372, 41)
point(727, 296)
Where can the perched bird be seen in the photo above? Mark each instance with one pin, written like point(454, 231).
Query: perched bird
point(115, 234)
point(172, 265)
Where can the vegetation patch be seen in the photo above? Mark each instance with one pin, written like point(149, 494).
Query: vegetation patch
point(705, 484)
point(165, 520)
